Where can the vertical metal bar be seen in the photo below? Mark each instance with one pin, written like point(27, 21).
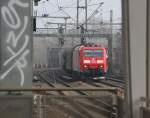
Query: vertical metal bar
point(44, 108)
point(85, 20)
point(111, 20)
point(77, 14)
point(65, 28)
point(85, 15)
point(40, 107)
point(110, 45)
point(126, 60)
point(147, 56)
point(115, 108)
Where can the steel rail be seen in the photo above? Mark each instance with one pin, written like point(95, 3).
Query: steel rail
point(46, 80)
point(98, 101)
point(113, 83)
point(49, 83)
point(115, 78)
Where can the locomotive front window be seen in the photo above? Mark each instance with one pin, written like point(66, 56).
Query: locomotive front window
point(88, 53)
point(97, 53)
point(93, 53)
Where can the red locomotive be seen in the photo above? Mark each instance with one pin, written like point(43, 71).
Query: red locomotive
point(86, 59)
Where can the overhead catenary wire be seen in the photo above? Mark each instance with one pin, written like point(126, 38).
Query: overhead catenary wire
point(68, 15)
point(61, 8)
point(95, 11)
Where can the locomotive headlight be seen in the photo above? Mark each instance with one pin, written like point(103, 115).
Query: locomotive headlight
point(101, 66)
point(85, 66)
point(86, 61)
point(100, 61)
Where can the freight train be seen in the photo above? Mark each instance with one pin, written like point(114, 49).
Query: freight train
point(87, 59)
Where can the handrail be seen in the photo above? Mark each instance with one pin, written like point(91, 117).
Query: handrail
point(113, 89)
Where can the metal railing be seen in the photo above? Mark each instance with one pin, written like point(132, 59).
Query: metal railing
point(41, 92)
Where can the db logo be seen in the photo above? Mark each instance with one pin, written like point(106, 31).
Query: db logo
point(93, 60)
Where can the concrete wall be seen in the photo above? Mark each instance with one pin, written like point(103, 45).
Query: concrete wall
point(15, 44)
point(137, 37)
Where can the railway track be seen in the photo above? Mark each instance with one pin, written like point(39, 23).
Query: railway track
point(85, 105)
point(98, 82)
point(113, 83)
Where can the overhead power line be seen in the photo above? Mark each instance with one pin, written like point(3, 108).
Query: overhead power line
point(95, 12)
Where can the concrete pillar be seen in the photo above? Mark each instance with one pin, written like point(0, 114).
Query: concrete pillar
point(136, 85)
point(15, 44)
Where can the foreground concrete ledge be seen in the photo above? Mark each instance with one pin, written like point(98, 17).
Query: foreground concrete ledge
point(15, 106)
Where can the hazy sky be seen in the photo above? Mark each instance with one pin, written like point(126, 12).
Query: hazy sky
point(68, 8)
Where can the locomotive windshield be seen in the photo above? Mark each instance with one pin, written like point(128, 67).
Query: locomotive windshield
point(93, 53)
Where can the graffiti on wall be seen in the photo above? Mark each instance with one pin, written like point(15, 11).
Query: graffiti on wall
point(17, 40)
